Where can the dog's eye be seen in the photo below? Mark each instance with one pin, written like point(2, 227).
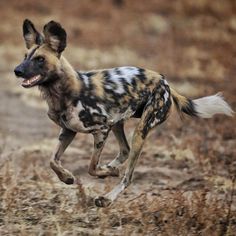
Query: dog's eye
point(40, 59)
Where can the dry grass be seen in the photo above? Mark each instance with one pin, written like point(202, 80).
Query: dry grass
point(34, 202)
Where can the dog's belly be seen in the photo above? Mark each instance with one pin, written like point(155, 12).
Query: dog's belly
point(87, 119)
point(79, 120)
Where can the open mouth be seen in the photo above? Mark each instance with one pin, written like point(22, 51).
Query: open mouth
point(27, 83)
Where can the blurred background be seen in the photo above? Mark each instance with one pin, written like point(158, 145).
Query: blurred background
point(184, 161)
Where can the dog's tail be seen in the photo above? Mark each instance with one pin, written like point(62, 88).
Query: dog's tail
point(204, 107)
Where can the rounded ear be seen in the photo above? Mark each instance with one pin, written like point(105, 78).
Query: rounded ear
point(55, 36)
point(31, 35)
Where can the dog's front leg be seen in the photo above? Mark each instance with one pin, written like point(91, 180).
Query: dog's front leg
point(94, 168)
point(65, 138)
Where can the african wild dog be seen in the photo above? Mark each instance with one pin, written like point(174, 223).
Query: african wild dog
point(99, 101)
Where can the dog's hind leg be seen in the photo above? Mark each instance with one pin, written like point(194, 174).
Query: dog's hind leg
point(155, 112)
point(65, 138)
point(136, 147)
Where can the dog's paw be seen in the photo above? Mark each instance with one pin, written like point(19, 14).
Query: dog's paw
point(67, 177)
point(102, 201)
point(63, 174)
point(104, 171)
point(69, 180)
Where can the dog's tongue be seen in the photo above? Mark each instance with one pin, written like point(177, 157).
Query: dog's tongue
point(31, 81)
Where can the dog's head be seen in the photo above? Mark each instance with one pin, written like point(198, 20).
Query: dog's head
point(42, 60)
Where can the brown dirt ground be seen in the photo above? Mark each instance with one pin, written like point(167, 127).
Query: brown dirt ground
point(184, 180)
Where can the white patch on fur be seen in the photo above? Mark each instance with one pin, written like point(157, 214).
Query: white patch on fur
point(86, 80)
point(80, 106)
point(92, 110)
point(108, 86)
point(207, 107)
point(118, 74)
point(126, 72)
point(120, 88)
point(104, 112)
point(129, 73)
point(165, 82)
point(166, 96)
point(116, 79)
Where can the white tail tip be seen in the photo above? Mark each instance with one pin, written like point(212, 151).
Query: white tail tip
point(207, 107)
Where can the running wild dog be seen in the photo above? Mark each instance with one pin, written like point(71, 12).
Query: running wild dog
point(99, 101)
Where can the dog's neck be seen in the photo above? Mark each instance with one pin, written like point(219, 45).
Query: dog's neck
point(61, 92)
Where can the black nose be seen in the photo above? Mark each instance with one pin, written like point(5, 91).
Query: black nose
point(18, 71)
